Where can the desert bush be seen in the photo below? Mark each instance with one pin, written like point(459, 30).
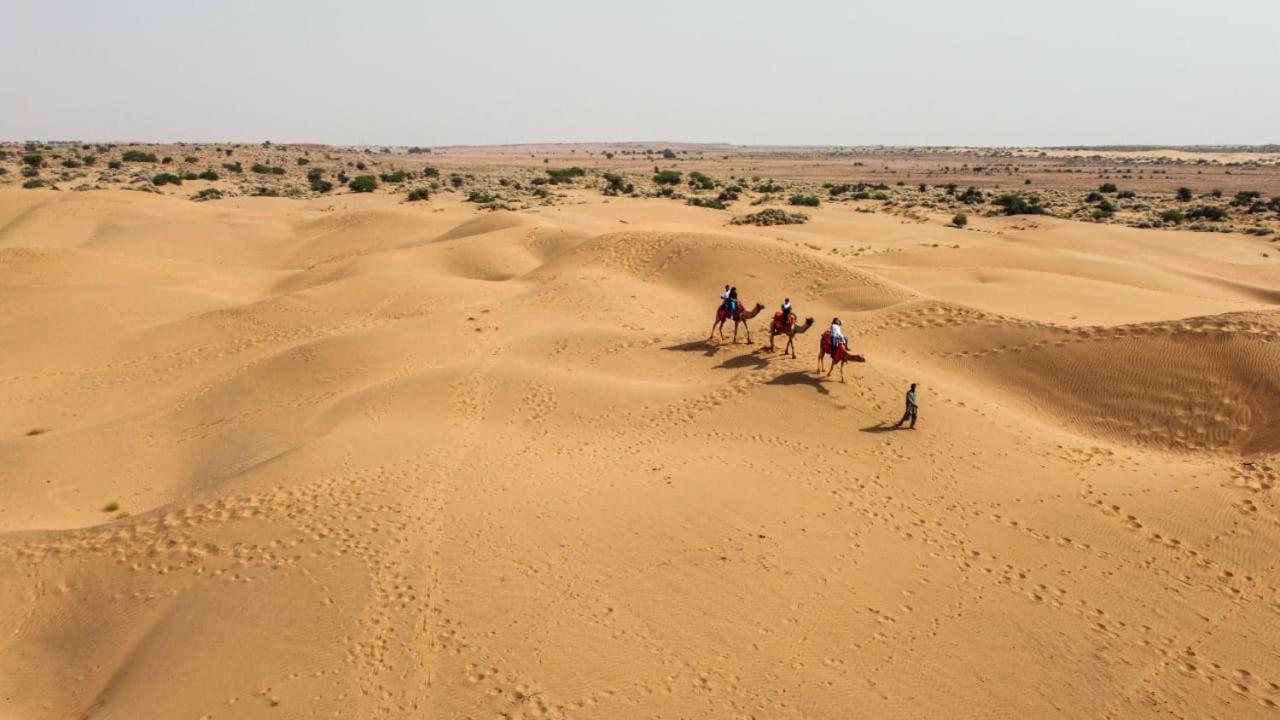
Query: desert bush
point(234, 167)
point(138, 156)
point(1207, 212)
point(417, 194)
point(29, 172)
point(971, 196)
point(363, 184)
point(771, 216)
point(617, 185)
point(805, 200)
point(1107, 188)
point(33, 183)
point(1184, 194)
point(190, 176)
point(1245, 198)
point(208, 175)
point(303, 161)
point(114, 164)
point(480, 196)
point(456, 180)
point(419, 151)
point(667, 177)
point(729, 194)
point(396, 177)
point(89, 159)
point(960, 220)
point(264, 191)
point(713, 203)
point(208, 194)
point(1107, 206)
point(557, 176)
point(1173, 216)
point(430, 172)
point(33, 160)
point(191, 159)
point(1019, 204)
point(769, 186)
point(701, 181)
point(668, 154)
point(160, 179)
point(1126, 194)
point(261, 169)
point(1094, 197)
point(540, 192)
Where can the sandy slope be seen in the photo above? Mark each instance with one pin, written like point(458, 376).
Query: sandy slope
point(385, 461)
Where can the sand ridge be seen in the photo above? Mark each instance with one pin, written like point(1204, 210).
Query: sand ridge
point(352, 457)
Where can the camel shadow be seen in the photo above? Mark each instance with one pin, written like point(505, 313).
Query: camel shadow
point(755, 359)
point(706, 347)
point(801, 377)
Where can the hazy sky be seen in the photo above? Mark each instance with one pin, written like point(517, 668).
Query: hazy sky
point(419, 72)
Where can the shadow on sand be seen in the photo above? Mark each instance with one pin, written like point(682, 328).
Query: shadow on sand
point(880, 427)
point(801, 377)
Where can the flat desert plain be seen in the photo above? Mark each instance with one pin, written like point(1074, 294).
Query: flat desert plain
point(348, 456)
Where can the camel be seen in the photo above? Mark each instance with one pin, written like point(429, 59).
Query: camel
point(791, 331)
point(839, 357)
point(740, 317)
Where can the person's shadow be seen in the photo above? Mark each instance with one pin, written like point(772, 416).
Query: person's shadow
point(880, 427)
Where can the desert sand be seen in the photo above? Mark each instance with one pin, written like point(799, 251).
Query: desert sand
point(352, 457)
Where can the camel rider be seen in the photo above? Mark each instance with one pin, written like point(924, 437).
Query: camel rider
point(724, 298)
point(732, 304)
point(786, 314)
point(837, 336)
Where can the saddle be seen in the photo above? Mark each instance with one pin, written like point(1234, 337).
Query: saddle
point(779, 325)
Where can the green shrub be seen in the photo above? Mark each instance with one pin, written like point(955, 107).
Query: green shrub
point(667, 177)
point(419, 151)
point(114, 164)
point(1245, 198)
point(33, 160)
point(208, 175)
point(303, 161)
point(971, 196)
point(396, 177)
point(138, 156)
point(190, 176)
point(805, 200)
point(479, 196)
point(33, 183)
point(1126, 194)
point(1019, 204)
point(700, 181)
point(617, 185)
point(1107, 188)
point(417, 194)
point(267, 169)
point(430, 172)
point(1173, 216)
point(1184, 195)
point(165, 179)
point(191, 159)
point(264, 191)
point(1094, 197)
point(564, 175)
point(960, 220)
point(769, 186)
point(30, 172)
point(668, 154)
point(72, 163)
point(234, 167)
point(89, 159)
point(363, 184)
point(1207, 212)
point(713, 203)
point(208, 194)
point(456, 180)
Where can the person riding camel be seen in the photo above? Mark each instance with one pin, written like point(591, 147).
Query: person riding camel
point(785, 318)
point(837, 336)
point(724, 298)
point(731, 305)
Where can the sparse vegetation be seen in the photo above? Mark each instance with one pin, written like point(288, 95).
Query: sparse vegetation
point(713, 203)
point(394, 178)
point(1019, 204)
point(363, 184)
point(34, 160)
point(617, 185)
point(418, 194)
point(234, 167)
point(33, 183)
point(1107, 188)
point(208, 194)
point(1172, 216)
point(558, 176)
point(208, 175)
point(1184, 194)
point(480, 197)
point(430, 172)
point(960, 220)
point(971, 196)
point(161, 179)
point(771, 216)
point(138, 156)
point(1207, 212)
point(701, 181)
point(805, 200)
point(667, 177)
point(261, 169)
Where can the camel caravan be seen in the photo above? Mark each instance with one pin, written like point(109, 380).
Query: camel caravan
point(785, 322)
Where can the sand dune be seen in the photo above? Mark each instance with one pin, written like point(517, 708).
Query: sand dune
point(352, 458)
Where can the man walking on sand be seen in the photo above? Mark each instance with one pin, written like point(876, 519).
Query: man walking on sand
point(912, 408)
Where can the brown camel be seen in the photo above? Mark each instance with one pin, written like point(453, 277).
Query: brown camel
point(791, 330)
point(740, 317)
point(839, 357)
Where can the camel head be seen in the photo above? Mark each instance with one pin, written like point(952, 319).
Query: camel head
point(808, 323)
point(759, 307)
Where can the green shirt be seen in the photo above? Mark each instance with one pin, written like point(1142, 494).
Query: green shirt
point(911, 398)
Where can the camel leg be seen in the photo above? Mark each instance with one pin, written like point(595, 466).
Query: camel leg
point(841, 372)
point(747, 328)
point(771, 336)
